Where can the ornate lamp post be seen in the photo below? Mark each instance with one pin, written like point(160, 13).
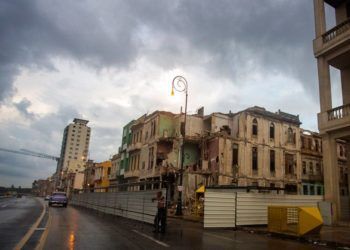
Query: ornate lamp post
point(180, 84)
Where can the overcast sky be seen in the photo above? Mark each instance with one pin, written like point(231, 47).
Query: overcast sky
point(112, 61)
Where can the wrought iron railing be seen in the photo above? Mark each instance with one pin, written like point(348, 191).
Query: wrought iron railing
point(337, 30)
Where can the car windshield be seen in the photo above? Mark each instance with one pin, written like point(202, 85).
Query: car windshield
point(59, 195)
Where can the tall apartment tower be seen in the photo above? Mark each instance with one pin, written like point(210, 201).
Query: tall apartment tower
point(75, 148)
point(332, 48)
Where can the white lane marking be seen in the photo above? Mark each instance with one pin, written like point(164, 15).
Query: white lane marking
point(5, 205)
point(43, 237)
point(223, 237)
point(152, 239)
point(26, 237)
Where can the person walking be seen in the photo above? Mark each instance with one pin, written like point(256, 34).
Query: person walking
point(160, 217)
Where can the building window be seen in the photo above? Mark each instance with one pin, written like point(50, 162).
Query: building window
point(310, 144)
point(302, 142)
point(150, 158)
point(304, 167)
point(341, 151)
point(317, 145)
point(311, 168)
point(255, 159)
point(305, 190)
point(234, 155)
point(312, 190)
point(153, 128)
point(289, 164)
point(319, 190)
point(318, 168)
point(272, 131)
point(255, 127)
point(290, 135)
point(272, 161)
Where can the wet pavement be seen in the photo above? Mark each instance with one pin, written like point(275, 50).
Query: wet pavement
point(80, 228)
point(17, 215)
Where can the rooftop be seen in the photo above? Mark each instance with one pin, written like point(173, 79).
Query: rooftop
point(80, 121)
point(279, 115)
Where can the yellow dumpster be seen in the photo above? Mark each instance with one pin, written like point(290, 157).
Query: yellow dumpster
point(292, 220)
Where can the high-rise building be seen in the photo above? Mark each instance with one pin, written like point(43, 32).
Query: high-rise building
point(75, 148)
point(332, 49)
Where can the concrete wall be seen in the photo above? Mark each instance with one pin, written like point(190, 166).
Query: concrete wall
point(166, 126)
point(191, 154)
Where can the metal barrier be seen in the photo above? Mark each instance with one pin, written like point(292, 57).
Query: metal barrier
point(229, 208)
point(296, 221)
point(136, 205)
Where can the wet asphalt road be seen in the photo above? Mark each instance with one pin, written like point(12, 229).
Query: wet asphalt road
point(17, 215)
point(78, 228)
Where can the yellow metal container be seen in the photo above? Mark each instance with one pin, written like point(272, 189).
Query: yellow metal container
point(292, 220)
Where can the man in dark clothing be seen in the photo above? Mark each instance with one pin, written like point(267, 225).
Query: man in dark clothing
point(161, 213)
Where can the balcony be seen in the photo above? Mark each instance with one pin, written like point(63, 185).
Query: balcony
point(290, 176)
point(312, 177)
point(334, 119)
point(333, 38)
point(131, 173)
point(134, 146)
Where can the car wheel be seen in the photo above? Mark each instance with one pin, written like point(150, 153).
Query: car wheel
point(50, 204)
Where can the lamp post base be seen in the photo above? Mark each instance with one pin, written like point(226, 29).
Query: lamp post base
point(178, 211)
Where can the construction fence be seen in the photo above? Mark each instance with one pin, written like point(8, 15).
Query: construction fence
point(231, 208)
point(136, 205)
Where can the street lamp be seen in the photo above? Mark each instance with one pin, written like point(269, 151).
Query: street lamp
point(180, 85)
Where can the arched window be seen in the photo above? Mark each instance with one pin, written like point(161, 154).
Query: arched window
point(311, 168)
point(341, 151)
point(272, 131)
point(290, 135)
point(317, 145)
point(255, 127)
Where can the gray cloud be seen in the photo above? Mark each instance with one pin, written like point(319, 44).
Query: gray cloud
point(23, 106)
point(234, 37)
point(227, 39)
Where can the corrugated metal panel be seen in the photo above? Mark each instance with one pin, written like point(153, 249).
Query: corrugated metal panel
point(252, 207)
point(219, 208)
point(133, 205)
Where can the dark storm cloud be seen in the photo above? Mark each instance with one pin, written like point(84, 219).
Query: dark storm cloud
point(23, 106)
point(227, 39)
point(274, 35)
point(44, 135)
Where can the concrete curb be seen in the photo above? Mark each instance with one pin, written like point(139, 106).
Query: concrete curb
point(307, 240)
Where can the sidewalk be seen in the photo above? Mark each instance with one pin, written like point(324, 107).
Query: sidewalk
point(332, 236)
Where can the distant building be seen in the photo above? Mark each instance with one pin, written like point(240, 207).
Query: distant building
point(311, 163)
point(74, 149)
point(89, 176)
point(101, 177)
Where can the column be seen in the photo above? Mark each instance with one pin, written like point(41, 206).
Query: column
point(331, 175)
point(345, 84)
point(324, 84)
point(320, 17)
